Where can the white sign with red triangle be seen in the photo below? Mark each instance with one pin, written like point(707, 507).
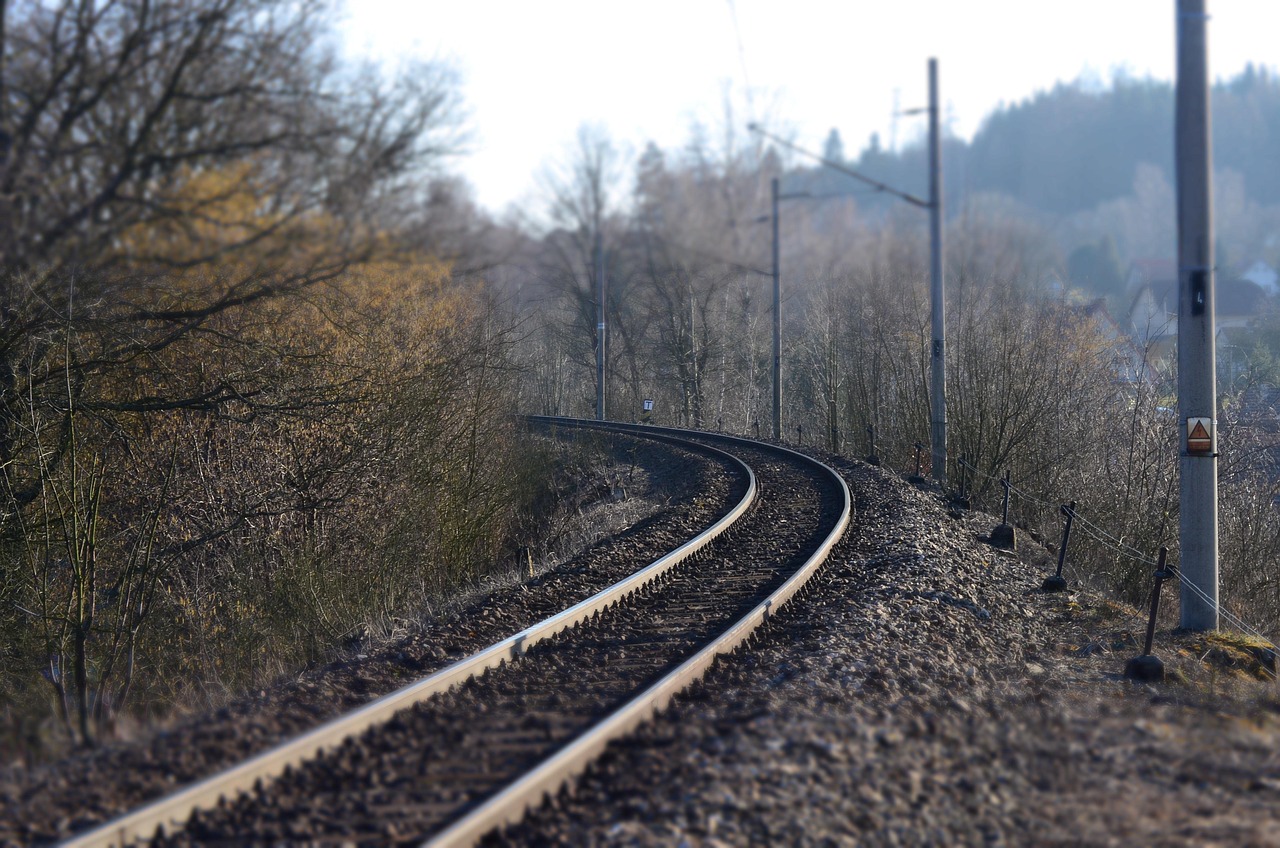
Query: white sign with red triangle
point(1200, 435)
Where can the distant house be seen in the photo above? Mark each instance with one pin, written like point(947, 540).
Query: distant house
point(1259, 406)
point(1145, 272)
point(1152, 317)
point(1129, 361)
point(1153, 307)
point(1264, 275)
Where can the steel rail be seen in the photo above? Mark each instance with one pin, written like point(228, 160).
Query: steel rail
point(510, 804)
point(173, 811)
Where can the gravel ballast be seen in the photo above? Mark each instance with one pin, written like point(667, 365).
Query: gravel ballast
point(403, 780)
point(674, 496)
point(924, 692)
point(921, 691)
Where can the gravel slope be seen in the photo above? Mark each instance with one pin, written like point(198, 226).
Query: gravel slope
point(924, 693)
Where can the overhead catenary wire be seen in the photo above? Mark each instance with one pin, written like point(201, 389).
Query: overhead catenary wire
point(742, 60)
point(709, 256)
point(844, 169)
point(742, 266)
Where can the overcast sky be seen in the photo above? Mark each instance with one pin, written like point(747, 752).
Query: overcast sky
point(533, 71)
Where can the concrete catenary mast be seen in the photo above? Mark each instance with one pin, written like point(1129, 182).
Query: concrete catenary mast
point(600, 323)
point(777, 316)
point(1197, 388)
point(938, 352)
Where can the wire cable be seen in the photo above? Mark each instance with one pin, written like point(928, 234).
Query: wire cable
point(742, 60)
point(1122, 548)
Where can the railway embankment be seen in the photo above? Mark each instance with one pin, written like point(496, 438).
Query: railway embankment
point(925, 692)
point(669, 497)
point(921, 690)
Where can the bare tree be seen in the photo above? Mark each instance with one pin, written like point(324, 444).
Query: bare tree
point(141, 142)
point(107, 110)
point(582, 192)
point(183, 187)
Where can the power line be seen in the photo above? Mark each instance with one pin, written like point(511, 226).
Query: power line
point(742, 59)
point(711, 257)
point(836, 166)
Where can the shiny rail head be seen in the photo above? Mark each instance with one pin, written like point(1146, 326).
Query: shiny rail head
point(510, 805)
point(173, 811)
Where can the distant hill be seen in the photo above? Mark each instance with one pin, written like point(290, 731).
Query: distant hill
point(1076, 146)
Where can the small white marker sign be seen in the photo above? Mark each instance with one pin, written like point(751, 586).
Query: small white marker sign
point(1200, 435)
point(648, 405)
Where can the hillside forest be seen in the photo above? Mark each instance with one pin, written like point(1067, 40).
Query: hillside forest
point(261, 355)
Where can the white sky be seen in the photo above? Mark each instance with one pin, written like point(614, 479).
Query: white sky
point(533, 71)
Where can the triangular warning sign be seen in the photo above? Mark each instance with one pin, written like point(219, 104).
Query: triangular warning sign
point(1199, 436)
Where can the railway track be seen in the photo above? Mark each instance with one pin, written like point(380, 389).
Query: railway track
point(471, 747)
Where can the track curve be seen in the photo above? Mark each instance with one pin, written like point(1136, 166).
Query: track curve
point(416, 769)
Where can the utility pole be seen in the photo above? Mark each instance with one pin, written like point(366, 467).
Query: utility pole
point(937, 357)
point(1197, 388)
point(600, 324)
point(938, 402)
point(777, 321)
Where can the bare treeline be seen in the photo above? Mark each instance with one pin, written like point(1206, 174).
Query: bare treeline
point(1044, 382)
point(237, 420)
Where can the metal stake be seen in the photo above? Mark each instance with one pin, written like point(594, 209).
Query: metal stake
point(1004, 510)
point(962, 499)
point(1056, 582)
point(1003, 536)
point(1148, 668)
